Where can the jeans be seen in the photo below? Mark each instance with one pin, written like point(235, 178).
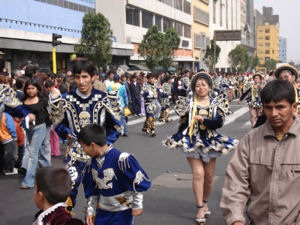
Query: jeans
point(35, 137)
point(45, 159)
point(9, 152)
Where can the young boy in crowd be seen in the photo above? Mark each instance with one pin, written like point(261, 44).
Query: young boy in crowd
point(52, 188)
point(115, 179)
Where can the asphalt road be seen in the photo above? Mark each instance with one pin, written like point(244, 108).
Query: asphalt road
point(170, 200)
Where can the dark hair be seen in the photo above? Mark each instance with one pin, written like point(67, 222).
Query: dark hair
point(20, 82)
point(83, 65)
point(92, 133)
point(31, 70)
point(55, 183)
point(277, 90)
point(35, 81)
point(201, 75)
point(63, 87)
point(49, 83)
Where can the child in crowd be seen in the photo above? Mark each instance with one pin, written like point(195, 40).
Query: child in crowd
point(115, 178)
point(52, 187)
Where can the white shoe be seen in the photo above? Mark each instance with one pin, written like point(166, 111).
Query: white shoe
point(15, 171)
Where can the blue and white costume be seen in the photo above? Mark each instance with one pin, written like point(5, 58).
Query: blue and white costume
point(116, 182)
point(198, 140)
point(71, 112)
point(166, 91)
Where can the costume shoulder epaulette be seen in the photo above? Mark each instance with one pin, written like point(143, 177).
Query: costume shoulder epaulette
point(8, 96)
point(182, 105)
point(222, 102)
point(123, 161)
point(112, 104)
point(57, 108)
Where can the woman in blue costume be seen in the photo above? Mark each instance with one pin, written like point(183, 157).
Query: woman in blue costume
point(197, 138)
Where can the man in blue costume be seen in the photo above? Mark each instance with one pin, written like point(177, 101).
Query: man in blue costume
point(76, 109)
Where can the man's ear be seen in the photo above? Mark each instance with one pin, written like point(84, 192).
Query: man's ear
point(94, 77)
point(295, 106)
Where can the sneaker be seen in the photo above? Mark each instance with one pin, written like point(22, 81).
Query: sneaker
point(13, 172)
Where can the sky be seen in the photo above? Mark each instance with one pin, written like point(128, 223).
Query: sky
point(289, 22)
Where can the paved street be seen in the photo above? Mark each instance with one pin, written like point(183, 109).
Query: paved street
point(170, 199)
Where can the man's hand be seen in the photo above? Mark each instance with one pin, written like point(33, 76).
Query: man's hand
point(90, 219)
point(69, 136)
point(238, 223)
point(137, 212)
point(199, 118)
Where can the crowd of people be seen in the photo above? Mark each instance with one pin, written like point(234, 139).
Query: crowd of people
point(90, 109)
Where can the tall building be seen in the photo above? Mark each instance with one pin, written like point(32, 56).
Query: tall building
point(26, 29)
point(225, 15)
point(200, 31)
point(131, 19)
point(248, 26)
point(282, 50)
point(267, 36)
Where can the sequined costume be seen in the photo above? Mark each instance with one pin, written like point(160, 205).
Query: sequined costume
point(71, 112)
point(184, 86)
point(150, 94)
point(252, 96)
point(165, 102)
point(198, 140)
point(116, 183)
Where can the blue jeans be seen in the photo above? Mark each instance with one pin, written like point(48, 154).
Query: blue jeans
point(45, 159)
point(35, 137)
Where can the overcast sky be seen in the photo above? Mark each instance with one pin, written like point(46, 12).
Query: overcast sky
point(289, 20)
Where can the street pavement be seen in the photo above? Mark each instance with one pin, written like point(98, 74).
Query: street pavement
point(170, 199)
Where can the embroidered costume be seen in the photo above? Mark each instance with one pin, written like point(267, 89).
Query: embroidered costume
point(150, 94)
point(165, 102)
point(184, 86)
point(71, 112)
point(56, 215)
point(253, 97)
point(200, 140)
point(117, 181)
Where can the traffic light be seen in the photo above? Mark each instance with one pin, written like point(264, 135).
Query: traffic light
point(55, 42)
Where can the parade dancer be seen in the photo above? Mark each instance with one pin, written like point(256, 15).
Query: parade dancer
point(184, 84)
point(165, 100)
point(197, 138)
point(78, 108)
point(116, 180)
point(253, 98)
point(150, 94)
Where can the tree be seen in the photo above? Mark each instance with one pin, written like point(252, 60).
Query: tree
point(240, 59)
point(254, 62)
point(209, 55)
point(158, 48)
point(270, 64)
point(170, 45)
point(95, 42)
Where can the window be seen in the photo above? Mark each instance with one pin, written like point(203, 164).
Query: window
point(187, 7)
point(158, 22)
point(168, 2)
point(187, 31)
point(267, 44)
point(267, 38)
point(167, 24)
point(267, 52)
point(201, 16)
point(147, 19)
point(132, 16)
point(178, 4)
point(178, 28)
point(267, 31)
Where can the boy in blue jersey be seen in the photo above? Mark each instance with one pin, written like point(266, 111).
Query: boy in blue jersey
point(116, 180)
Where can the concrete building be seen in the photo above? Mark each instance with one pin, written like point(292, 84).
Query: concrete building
point(248, 26)
point(267, 36)
point(131, 19)
point(225, 15)
point(200, 31)
point(26, 29)
point(282, 49)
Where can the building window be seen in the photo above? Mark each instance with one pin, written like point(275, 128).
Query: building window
point(178, 28)
point(267, 52)
point(167, 24)
point(201, 16)
point(267, 38)
point(267, 31)
point(187, 31)
point(267, 44)
point(168, 2)
point(132, 16)
point(187, 7)
point(178, 4)
point(147, 19)
point(158, 22)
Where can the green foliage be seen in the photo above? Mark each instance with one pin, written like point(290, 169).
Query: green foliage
point(240, 59)
point(254, 62)
point(270, 64)
point(158, 48)
point(209, 55)
point(95, 42)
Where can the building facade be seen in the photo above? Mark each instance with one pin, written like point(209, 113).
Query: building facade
point(225, 15)
point(282, 49)
point(132, 19)
point(200, 31)
point(26, 29)
point(267, 36)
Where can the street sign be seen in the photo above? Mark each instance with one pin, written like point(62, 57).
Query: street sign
point(227, 35)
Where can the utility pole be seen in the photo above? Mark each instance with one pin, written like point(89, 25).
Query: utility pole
point(55, 42)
